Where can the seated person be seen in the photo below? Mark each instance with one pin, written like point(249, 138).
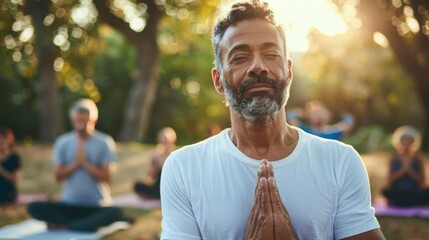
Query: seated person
point(406, 171)
point(84, 163)
point(318, 117)
point(10, 168)
point(166, 144)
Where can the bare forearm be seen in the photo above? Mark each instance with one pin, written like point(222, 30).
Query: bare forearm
point(396, 175)
point(415, 176)
point(63, 172)
point(100, 173)
point(9, 176)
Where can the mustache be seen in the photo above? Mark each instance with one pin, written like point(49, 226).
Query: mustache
point(257, 79)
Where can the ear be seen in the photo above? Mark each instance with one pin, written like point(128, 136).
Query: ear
point(289, 69)
point(217, 82)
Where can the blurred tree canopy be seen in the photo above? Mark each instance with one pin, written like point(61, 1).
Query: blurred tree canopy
point(403, 25)
point(55, 48)
point(362, 78)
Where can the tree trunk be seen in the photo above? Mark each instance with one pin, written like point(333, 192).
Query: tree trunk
point(142, 93)
point(422, 85)
point(51, 122)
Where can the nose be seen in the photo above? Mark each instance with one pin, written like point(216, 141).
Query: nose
point(257, 66)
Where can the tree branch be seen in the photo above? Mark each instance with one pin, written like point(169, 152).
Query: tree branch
point(109, 18)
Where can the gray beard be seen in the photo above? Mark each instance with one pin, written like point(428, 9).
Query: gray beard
point(260, 107)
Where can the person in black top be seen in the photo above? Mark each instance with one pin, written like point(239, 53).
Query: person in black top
point(166, 144)
point(406, 182)
point(10, 168)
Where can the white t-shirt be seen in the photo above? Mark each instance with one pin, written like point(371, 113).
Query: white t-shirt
point(207, 190)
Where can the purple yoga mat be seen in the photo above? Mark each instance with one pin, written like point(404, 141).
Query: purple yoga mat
point(383, 209)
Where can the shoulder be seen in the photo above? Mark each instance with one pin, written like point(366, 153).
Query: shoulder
point(331, 155)
point(65, 138)
point(195, 152)
point(324, 145)
point(103, 137)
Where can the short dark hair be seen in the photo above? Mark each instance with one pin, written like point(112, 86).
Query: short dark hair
point(239, 12)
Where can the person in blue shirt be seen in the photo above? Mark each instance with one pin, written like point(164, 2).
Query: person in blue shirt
point(84, 165)
point(315, 118)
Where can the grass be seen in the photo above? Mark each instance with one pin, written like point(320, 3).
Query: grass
point(133, 160)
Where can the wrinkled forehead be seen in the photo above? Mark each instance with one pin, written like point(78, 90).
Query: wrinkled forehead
point(251, 33)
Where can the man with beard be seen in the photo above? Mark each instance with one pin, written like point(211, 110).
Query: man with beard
point(306, 187)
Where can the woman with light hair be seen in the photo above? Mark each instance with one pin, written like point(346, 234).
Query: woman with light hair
point(406, 183)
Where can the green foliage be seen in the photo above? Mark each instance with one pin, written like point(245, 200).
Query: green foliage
point(113, 67)
point(186, 98)
point(370, 139)
point(350, 73)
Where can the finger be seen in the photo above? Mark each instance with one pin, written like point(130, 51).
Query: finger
point(261, 174)
point(275, 197)
point(270, 170)
point(265, 196)
point(258, 193)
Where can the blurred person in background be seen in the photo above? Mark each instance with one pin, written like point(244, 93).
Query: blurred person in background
point(10, 167)
point(166, 143)
point(406, 178)
point(319, 118)
point(84, 164)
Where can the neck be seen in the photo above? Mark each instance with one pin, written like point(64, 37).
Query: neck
point(85, 134)
point(271, 140)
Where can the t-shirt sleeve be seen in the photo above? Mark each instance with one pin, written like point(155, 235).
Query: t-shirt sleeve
point(354, 214)
point(109, 153)
point(178, 220)
point(57, 154)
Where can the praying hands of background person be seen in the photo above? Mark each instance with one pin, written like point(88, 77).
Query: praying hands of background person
point(80, 151)
point(268, 219)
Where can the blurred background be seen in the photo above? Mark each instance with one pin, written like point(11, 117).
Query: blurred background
point(146, 63)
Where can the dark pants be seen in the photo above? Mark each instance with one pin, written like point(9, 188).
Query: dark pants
point(407, 198)
point(75, 217)
point(147, 190)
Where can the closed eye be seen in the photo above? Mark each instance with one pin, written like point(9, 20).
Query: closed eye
point(238, 59)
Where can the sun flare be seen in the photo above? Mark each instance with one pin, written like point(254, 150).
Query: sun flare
point(299, 17)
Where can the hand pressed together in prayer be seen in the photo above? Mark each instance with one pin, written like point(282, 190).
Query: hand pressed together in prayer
point(268, 219)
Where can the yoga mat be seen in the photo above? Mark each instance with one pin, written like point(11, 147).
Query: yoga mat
point(36, 230)
point(29, 198)
point(134, 201)
point(383, 209)
point(19, 230)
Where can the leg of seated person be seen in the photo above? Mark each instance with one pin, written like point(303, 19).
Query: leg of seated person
point(97, 217)
point(425, 197)
point(146, 191)
point(50, 212)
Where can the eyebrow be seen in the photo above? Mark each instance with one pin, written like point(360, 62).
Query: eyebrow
point(244, 47)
